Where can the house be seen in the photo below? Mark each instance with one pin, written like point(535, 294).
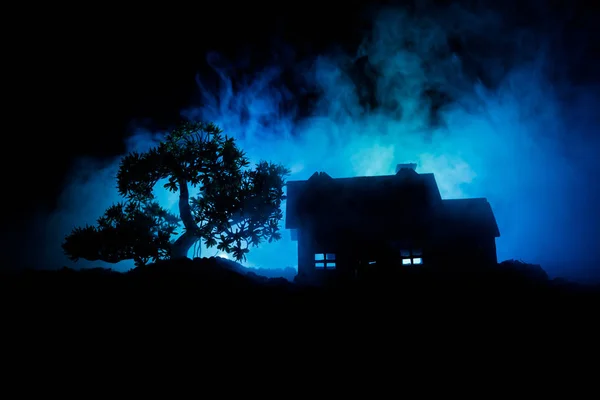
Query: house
point(347, 227)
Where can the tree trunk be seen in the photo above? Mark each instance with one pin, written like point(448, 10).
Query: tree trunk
point(191, 235)
point(183, 244)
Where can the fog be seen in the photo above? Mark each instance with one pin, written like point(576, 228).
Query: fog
point(487, 107)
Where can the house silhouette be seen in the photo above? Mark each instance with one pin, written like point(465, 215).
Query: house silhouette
point(349, 227)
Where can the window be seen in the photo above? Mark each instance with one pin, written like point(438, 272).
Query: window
point(411, 256)
point(325, 261)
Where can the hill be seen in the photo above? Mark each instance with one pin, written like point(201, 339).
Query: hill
point(228, 284)
point(218, 307)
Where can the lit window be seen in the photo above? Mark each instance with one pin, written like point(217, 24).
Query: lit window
point(372, 262)
point(325, 261)
point(411, 256)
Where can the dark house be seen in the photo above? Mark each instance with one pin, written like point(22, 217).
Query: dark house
point(347, 227)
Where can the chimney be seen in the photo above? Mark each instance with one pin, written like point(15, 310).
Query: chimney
point(410, 166)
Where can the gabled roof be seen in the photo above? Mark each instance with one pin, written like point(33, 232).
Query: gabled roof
point(470, 215)
point(394, 193)
point(386, 191)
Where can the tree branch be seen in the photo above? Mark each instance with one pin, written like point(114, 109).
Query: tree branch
point(185, 211)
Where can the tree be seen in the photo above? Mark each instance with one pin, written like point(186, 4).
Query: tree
point(236, 206)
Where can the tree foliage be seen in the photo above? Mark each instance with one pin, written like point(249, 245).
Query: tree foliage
point(137, 231)
point(236, 206)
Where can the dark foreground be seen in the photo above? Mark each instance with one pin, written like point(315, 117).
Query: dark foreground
point(214, 287)
point(209, 313)
point(203, 322)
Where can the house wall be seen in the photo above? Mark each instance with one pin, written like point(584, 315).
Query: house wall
point(463, 252)
point(310, 244)
point(353, 252)
point(305, 251)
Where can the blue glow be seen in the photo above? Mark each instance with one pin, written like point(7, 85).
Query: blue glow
point(529, 144)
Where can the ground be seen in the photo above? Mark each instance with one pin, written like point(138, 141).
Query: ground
point(207, 312)
point(224, 283)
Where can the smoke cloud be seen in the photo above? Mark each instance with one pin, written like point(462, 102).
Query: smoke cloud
point(488, 107)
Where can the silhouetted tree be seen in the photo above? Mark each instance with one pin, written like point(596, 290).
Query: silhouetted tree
point(236, 207)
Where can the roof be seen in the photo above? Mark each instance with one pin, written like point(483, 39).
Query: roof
point(369, 193)
point(386, 198)
point(470, 214)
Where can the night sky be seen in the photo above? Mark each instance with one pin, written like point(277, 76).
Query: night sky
point(498, 101)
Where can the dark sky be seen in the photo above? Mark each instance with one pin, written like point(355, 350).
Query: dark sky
point(80, 79)
point(83, 78)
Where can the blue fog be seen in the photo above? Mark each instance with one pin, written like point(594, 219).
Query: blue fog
point(528, 142)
